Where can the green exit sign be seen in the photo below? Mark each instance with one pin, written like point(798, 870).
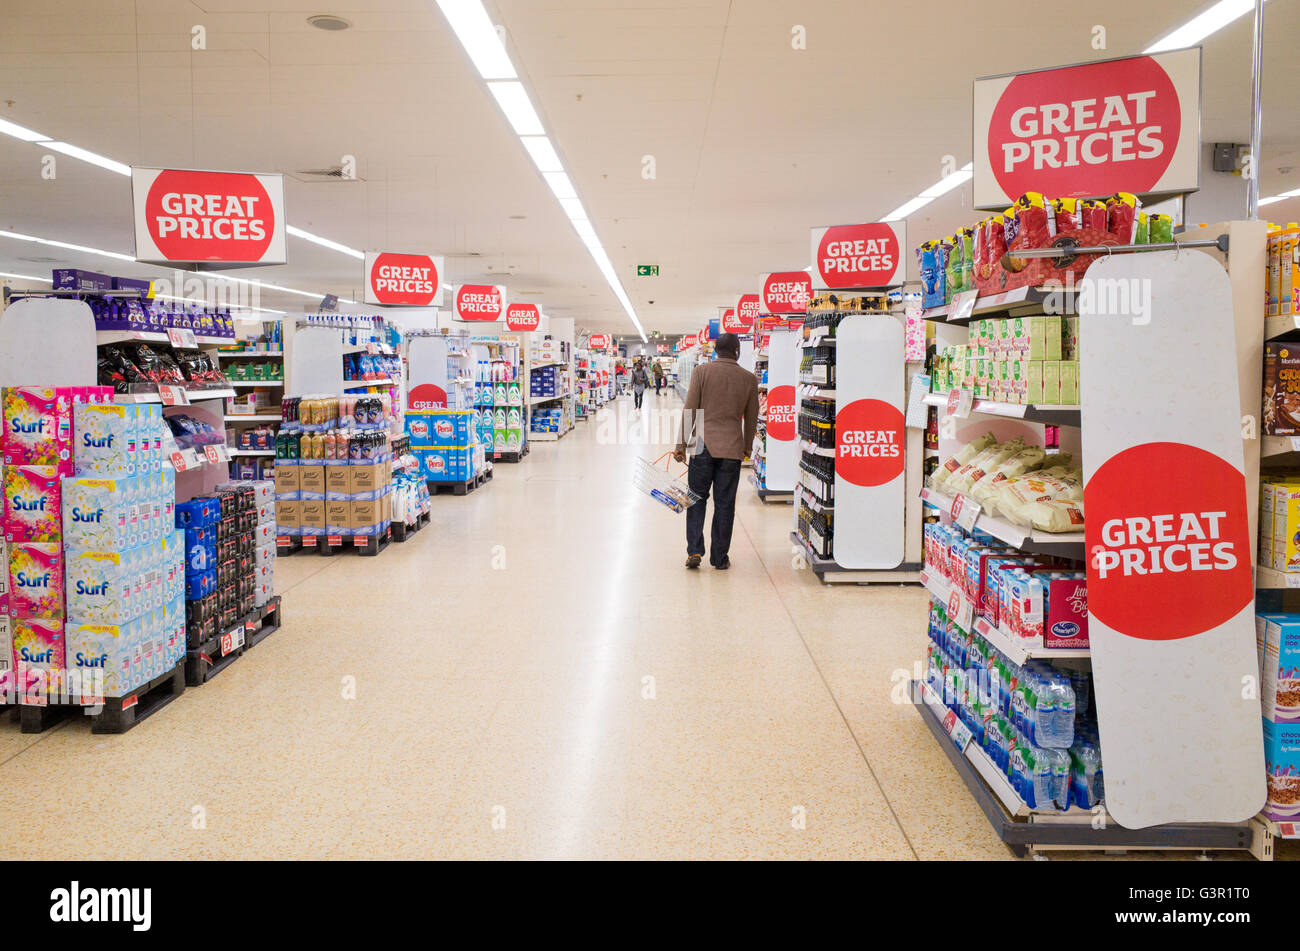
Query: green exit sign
point(647, 270)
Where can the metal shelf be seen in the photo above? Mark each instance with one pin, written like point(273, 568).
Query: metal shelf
point(1022, 299)
point(1064, 544)
point(251, 383)
point(232, 354)
point(1056, 415)
point(253, 418)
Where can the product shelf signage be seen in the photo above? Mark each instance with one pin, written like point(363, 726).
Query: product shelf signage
point(598, 342)
point(1090, 130)
point(523, 318)
point(786, 292)
point(870, 442)
point(480, 303)
point(740, 320)
point(859, 256)
point(223, 219)
point(1171, 609)
point(409, 280)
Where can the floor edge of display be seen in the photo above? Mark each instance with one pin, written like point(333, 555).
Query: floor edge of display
point(829, 571)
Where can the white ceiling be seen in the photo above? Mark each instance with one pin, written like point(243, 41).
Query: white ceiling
point(754, 142)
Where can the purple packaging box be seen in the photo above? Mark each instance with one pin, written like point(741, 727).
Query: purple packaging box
point(132, 284)
point(70, 278)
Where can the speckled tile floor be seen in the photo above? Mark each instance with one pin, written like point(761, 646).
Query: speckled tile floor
point(536, 676)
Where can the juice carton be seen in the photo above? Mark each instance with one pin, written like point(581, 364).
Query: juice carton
point(32, 504)
point(1069, 382)
point(36, 580)
point(37, 426)
point(1289, 270)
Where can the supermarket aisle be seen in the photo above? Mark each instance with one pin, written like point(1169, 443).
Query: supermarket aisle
point(669, 714)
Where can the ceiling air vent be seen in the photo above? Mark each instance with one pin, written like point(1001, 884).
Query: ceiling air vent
point(332, 174)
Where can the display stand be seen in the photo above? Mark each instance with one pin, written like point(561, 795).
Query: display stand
point(1213, 800)
point(253, 373)
point(860, 522)
point(776, 452)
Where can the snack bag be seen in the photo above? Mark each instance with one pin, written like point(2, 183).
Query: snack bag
point(1122, 217)
point(954, 264)
point(1092, 214)
point(36, 580)
point(1160, 228)
point(1055, 516)
point(942, 247)
point(37, 426)
point(32, 509)
point(967, 238)
point(1143, 229)
point(1068, 217)
point(925, 261)
point(963, 455)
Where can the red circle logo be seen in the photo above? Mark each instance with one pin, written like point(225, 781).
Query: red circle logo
point(741, 320)
point(1167, 559)
point(781, 412)
point(869, 442)
point(859, 256)
point(209, 216)
point(598, 342)
point(426, 396)
point(523, 317)
point(1118, 134)
point(480, 302)
point(410, 279)
point(787, 292)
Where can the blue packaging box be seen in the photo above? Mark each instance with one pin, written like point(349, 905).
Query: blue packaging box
point(439, 428)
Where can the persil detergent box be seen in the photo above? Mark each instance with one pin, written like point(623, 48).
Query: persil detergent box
point(449, 427)
point(443, 464)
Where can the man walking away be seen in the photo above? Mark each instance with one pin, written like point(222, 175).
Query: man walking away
point(640, 380)
point(659, 377)
point(721, 413)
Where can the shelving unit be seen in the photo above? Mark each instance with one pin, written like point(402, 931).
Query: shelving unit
point(260, 461)
point(1021, 828)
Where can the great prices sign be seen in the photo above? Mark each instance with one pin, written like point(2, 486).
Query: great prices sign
point(186, 216)
point(410, 280)
point(786, 292)
point(689, 341)
point(479, 302)
point(853, 256)
point(1130, 125)
point(598, 342)
point(782, 413)
point(743, 316)
point(869, 442)
point(523, 318)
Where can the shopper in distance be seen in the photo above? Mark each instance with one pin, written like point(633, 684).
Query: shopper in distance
point(659, 378)
point(719, 420)
point(640, 380)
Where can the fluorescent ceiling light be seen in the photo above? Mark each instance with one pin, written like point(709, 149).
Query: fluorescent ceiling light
point(1293, 193)
point(324, 242)
point(514, 102)
point(542, 152)
point(93, 158)
point(941, 187)
point(476, 33)
point(66, 245)
point(26, 277)
point(560, 185)
point(573, 208)
point(583, 227)
point(1199, 27)
point(22, 132)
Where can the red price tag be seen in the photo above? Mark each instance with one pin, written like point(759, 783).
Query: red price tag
point(964, 512)
point(959, 403)
point(334, 540)
point(182, 339)
point(358, 543)
point(283, 541)
point(178, 462)
point(173, 395)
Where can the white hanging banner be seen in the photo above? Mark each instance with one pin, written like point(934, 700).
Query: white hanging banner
point(783, 352)
point(427, 381)
point(870, 462)
point(208, 218)
point(1170, 595)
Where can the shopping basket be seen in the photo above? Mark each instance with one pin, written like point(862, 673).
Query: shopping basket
point(661, 485)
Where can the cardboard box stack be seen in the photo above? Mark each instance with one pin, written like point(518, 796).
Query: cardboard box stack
point(1277, 642)
point(124, 574)
point(1022, 360)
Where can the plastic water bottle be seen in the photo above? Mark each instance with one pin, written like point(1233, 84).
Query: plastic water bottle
point(1058, 763)
point(1056, 712)
point(1081, 683)
point(1086, 789)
